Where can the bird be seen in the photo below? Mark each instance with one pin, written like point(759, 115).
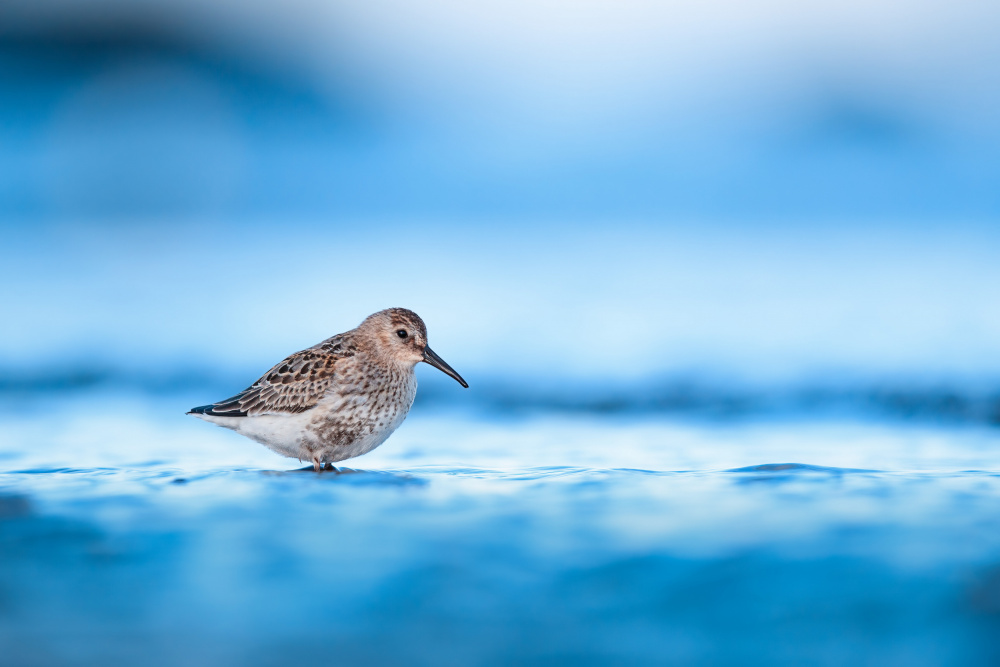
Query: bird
point(338, 399)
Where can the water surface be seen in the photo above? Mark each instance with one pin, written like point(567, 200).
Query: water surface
point(131, 533)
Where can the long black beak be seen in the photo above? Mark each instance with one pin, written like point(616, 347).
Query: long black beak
point(437, 362)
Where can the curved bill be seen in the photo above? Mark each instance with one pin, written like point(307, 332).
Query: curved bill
point(430, 356)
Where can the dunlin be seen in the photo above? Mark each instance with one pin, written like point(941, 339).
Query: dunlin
point(336, 400)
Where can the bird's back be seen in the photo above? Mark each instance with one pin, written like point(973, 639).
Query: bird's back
point(295, 384)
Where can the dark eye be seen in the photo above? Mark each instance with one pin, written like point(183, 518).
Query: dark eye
point(402, 333)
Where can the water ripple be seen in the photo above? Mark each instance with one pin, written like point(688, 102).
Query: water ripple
point(800, 468)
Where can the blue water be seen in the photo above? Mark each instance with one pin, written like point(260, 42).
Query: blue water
point(130, 533)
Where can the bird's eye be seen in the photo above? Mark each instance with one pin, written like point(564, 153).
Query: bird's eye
point(402, 333)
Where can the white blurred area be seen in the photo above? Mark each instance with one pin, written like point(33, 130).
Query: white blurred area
point(607, 66)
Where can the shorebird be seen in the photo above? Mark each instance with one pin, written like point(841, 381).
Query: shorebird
point(338, 399)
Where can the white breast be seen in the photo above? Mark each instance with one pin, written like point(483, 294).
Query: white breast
point(280, 433)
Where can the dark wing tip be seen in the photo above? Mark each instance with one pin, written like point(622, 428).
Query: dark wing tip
point(217, 410)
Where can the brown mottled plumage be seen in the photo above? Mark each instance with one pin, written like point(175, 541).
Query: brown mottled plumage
point(336, 400)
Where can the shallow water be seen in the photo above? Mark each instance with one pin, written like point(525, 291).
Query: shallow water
point(129, 532)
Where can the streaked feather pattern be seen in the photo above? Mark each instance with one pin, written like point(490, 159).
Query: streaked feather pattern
point(294, 385)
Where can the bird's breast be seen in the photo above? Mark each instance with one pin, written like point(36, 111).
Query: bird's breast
point(363, 413)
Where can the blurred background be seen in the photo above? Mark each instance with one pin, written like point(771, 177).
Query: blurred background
point(758, 192)
point(672, 246)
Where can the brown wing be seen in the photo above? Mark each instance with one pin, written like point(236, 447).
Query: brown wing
point(294, 385)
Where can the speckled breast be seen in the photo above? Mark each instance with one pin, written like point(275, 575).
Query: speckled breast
point(359, 415)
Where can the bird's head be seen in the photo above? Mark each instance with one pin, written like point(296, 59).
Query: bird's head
point(400, 335)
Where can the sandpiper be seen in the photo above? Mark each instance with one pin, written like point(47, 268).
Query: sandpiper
point(336, 400)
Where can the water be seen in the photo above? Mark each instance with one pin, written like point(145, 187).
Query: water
point(131, 533)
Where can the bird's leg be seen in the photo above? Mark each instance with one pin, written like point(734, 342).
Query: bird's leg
point(329, 466)
point(317, 466)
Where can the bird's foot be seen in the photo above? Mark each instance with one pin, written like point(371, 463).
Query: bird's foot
point(319, 466)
